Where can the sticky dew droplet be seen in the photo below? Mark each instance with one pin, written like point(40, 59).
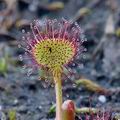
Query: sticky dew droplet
point(52, 85)
point(46, 80)
point(23, 38)
point(67, 95)
point(74, 85)
point(85, 49)
point(73, 64)
point(84, 56)
point(23, 30)
point(44, 85)
point(20, 57)
point(19, 46)
point(80, 66)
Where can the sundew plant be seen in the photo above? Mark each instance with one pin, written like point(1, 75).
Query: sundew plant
point(54, 45)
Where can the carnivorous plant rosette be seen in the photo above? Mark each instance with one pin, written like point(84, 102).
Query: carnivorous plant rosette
point(54, 45)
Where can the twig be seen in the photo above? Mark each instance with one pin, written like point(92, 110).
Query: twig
point(109, 31)
point(85, 10)
point(115, 90)
point(87, 110)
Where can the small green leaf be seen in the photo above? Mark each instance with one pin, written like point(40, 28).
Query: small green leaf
point(12, 115)
point(117, 32)
point(3, 65)
point(52, 109)
point(55, 6)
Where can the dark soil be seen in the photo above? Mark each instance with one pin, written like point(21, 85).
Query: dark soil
point(32, 98)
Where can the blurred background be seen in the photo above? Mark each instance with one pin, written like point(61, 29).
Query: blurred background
point(28, 98)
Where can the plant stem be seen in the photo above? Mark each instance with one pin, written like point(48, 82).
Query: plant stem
point(87, 110)
point(58, 90)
